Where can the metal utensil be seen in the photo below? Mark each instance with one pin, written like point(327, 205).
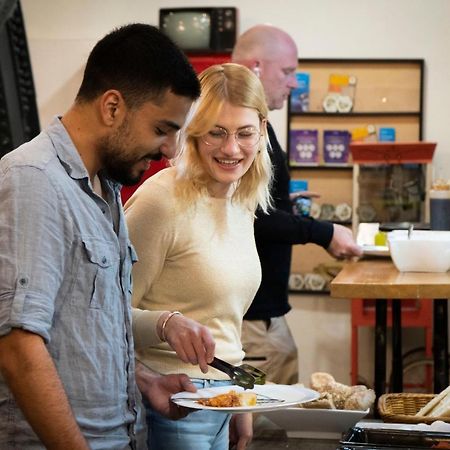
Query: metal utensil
point(259, 375)
point(239, 375)
point(260, 399)
point(410, 229)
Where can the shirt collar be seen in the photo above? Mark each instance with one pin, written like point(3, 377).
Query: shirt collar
point(66, 150)
point(69, 156)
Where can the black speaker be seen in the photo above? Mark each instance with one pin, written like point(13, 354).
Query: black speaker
point(19, 120)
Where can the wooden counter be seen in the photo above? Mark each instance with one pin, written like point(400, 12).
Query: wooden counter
point(379, 279)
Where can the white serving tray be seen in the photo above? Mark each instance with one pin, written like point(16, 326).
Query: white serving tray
point(313, 423)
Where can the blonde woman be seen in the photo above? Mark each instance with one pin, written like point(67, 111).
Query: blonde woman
point(192, 227)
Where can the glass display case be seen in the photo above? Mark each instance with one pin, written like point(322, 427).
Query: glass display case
point(391, 193)
point(391, 181)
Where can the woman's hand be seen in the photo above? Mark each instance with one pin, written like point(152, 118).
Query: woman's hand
point(192, 342)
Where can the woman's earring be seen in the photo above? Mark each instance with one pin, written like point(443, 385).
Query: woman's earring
point(257, 71)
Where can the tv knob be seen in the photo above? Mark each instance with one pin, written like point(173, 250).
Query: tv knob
point(229, 24)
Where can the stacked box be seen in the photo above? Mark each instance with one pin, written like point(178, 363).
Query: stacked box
point(300, 95)
point(386, 134)
point(298, 185)
point(336, 146)
point(303, 147)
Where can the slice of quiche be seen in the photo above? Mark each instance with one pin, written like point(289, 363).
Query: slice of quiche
point(230, 399)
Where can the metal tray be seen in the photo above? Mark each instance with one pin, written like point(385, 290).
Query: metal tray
point(390, 226)
point(383, 439)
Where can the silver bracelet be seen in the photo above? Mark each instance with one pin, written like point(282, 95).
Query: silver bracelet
point(163, 326)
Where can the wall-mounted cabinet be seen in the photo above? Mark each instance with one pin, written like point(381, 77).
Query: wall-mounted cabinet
point(376, 94)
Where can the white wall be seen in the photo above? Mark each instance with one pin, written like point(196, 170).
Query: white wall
point(61, 34)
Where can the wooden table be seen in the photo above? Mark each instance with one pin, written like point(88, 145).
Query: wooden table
point(379, 279)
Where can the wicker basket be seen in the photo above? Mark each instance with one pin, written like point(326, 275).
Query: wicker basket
point(401, 408)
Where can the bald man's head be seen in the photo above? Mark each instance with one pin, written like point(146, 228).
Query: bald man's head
point(272, 54)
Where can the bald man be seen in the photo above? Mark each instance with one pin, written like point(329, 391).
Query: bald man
point(272, 55)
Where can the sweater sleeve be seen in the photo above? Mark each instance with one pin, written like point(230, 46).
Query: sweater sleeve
point(149, 226)
point(282, 227)
point(144, 328)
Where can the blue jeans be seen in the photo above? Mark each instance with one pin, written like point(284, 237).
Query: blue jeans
point(200, 430)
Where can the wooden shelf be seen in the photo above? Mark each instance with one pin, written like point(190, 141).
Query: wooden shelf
point(323, 167)
point(388, 93)
point(382, 85)
point(355, 114)
point(309, 292)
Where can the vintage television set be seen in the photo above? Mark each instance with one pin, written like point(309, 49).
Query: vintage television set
point(200, 30)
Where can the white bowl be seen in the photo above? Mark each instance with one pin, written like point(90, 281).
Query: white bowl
point(424, 251)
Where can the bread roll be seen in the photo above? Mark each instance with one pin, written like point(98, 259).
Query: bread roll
point(325, 401)
point(340, 392)
point(340, 395)
point(360, 400)
point(322, 381)
point(428, 409)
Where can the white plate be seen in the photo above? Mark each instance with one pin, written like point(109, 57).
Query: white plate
point(375, 250)
point(303, 422)
point(288, 396)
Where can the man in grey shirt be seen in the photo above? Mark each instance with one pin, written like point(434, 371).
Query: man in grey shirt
point(67, 369)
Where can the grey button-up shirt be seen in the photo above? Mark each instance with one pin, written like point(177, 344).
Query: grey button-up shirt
point(65, 274)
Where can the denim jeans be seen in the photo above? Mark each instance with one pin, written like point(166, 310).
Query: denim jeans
point(200, 430)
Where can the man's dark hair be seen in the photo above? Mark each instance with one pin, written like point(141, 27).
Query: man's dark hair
point(140, 62)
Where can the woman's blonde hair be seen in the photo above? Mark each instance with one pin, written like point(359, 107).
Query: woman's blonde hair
point(238, 86)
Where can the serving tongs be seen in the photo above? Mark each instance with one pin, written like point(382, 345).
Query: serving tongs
point(245, 376)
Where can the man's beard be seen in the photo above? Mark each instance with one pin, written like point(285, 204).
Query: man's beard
point(123, 170)
point(117, 160)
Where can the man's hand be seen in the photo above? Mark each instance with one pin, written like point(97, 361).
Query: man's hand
point(192, 342)
point(241, 430)
point(158, 389)
point(342, 244)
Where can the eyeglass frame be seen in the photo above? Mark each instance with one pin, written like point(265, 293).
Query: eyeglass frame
point(228, 134)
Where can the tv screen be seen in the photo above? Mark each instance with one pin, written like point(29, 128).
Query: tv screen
point(198, 30)
point(189, 30)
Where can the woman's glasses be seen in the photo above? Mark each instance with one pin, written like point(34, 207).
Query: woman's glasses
point(245, 137)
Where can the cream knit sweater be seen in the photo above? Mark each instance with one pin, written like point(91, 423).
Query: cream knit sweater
point(201, 261)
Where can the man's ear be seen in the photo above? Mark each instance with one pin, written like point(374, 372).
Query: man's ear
point(112, 107)
point(256, 69)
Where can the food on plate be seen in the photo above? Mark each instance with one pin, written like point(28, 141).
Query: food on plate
point(437, 406)
point(336, 395)
point(230, 399)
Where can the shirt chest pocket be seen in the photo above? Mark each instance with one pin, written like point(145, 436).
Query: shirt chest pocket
point(96, 283)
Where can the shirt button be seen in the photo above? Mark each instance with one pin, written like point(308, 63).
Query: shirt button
point(104, 211)
point(104, 260)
